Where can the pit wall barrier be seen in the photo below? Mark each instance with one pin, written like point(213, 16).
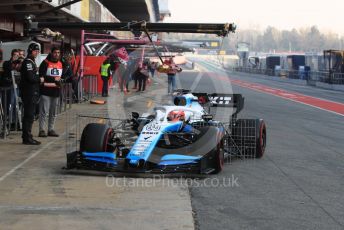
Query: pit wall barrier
point(91, 74)
point(321, 79)
point(6, 114)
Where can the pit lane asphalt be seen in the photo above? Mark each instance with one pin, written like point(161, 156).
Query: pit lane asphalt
point(336, 96)
point(298, 184)
point(36, 193)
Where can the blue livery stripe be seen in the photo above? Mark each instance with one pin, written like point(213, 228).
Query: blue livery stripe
point(102, 160)
point(183, 162)
point(100, 154)
point(179, 157)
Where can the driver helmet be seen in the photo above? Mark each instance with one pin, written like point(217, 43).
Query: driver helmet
point(176, 116)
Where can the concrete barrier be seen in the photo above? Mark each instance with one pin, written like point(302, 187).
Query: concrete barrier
point(279, 79)
point(288, 80)
point(329, 86)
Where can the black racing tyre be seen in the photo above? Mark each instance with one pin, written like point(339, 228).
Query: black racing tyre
point(261, 138)
point(95, 138)
point(219, 158)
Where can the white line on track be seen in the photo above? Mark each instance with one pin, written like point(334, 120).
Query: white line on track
point(290, 99)
point(33, 155)
point(196, 81)
point(270, 93)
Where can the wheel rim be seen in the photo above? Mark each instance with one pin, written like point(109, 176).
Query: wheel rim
point(262, 138)
point(107, 137)
point(221, 157)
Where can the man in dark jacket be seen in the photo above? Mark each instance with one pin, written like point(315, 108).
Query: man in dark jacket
point(51, 70)
point(8, 67)
point(29, 86)
point(142, 75)
point(6, 81)
point(67, 72)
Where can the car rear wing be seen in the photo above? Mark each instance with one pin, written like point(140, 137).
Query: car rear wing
point(221, 100)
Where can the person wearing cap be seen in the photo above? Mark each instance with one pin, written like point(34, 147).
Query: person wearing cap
point(51, 70)
point(29, 88)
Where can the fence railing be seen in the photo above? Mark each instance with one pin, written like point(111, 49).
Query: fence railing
point(87, 88)
point(4, 121)
point(66, 98)
point(310, 76)
point(338, 78)
point(7, 119)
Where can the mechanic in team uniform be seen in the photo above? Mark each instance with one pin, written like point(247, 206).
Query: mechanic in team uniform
point(51, 69)
point(105, 73)
point(29, 88)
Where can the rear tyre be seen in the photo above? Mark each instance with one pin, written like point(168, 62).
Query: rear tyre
point(95, 138)
point(261, 138)
point(219, 158)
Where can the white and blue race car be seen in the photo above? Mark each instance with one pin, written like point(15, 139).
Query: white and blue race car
point(182, 137)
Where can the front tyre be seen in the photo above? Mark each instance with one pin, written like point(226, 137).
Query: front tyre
point(261, 138)
point(219, 158)
point(95, 138)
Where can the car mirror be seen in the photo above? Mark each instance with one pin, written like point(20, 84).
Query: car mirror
point(207, 117)
point(135, 115)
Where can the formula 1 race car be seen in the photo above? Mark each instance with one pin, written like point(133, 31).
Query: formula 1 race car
point(183, 137)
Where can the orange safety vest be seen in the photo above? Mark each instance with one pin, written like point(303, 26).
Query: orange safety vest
point(54, 69)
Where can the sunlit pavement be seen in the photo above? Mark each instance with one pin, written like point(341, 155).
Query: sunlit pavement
point(36, 193)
